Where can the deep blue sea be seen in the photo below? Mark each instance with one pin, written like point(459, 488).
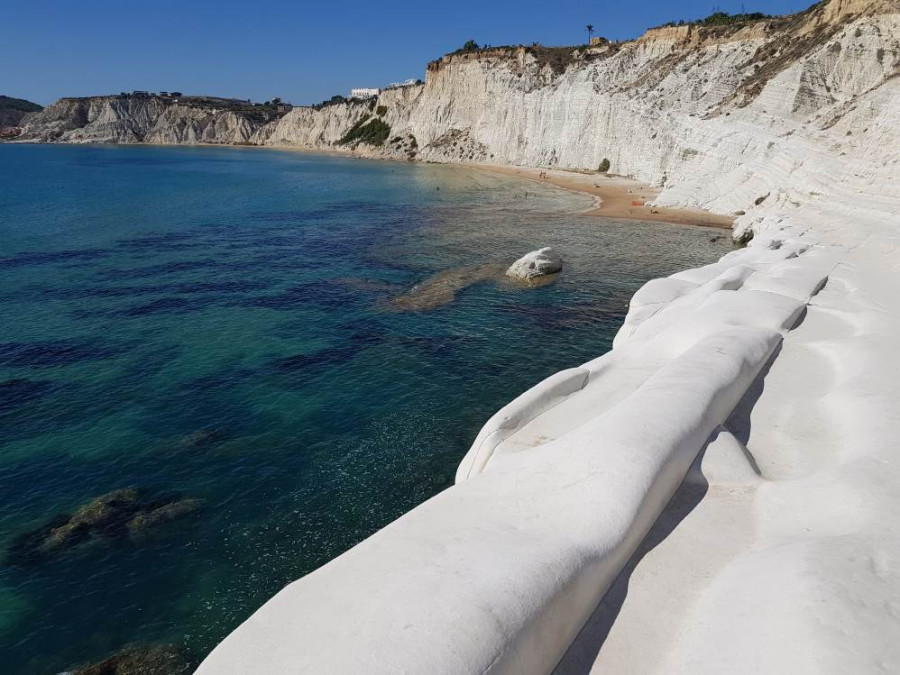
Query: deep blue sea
point(217, 324)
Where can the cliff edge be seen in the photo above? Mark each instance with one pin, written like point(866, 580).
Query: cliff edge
point(141, 117)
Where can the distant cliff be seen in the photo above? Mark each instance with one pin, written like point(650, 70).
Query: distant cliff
point(723, 117)
point(147, 118)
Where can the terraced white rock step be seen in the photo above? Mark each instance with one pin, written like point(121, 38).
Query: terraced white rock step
point(781, 550)
point(821, 571)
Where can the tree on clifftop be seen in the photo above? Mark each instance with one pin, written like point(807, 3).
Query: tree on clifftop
point(470, 46)
point(590, 30)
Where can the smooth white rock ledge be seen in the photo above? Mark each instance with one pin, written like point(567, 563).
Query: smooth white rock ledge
point(499, 573)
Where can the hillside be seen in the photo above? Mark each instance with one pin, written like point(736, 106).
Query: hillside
point(713, 114)
point(12, 110)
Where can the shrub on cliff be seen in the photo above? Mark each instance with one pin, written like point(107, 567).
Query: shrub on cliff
point(726, 19)
point(334, 100)
point(722, 19)
point(354, 130)
point(367, 130)
point(604, 166)
point(558, 58)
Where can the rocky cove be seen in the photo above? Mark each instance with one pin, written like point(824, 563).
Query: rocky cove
point(253, 344)
point(701, 498)
point(717, 492)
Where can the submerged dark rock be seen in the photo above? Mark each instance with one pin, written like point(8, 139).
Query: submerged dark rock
point(113, 516)
point(100, 517)
point(443, 287)
point(139, 659)
point(203, 438)
point(145, 522)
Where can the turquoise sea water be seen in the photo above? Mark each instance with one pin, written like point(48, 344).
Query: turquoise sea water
point(216, 323)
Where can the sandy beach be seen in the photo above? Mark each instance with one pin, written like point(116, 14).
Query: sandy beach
point(617, 196)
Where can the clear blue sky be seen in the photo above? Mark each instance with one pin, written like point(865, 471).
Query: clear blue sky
point(303, 51)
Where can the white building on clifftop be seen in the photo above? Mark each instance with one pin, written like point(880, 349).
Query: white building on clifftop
point(364, 93)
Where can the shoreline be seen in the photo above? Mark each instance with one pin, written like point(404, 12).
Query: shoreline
point(616, 197)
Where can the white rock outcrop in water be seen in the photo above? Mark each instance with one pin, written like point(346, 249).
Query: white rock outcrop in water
point(536, 264)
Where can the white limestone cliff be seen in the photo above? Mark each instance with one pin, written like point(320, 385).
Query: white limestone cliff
point(783, 110)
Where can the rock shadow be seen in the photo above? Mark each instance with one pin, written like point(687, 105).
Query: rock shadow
point(739, 423)
point(582, 653)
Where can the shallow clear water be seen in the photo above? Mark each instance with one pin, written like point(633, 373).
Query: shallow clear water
point(150, 293)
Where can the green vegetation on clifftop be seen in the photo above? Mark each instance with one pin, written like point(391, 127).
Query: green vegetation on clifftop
point(19, 105)
point(12, 110)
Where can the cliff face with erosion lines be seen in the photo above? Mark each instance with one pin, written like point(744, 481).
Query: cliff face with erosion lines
point(146, 119)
